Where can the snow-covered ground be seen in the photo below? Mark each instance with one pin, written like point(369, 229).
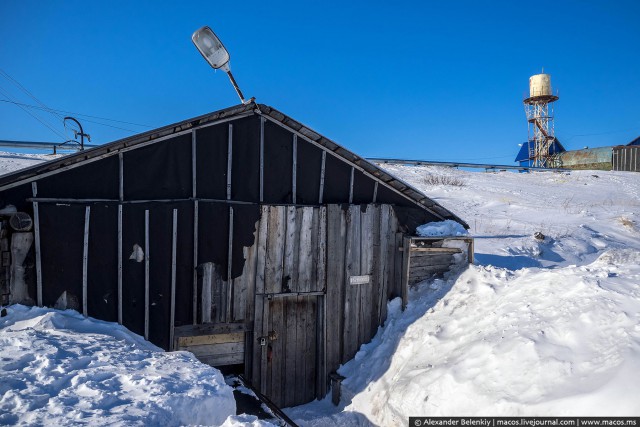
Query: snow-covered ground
point(535, 327)
point(59, 368)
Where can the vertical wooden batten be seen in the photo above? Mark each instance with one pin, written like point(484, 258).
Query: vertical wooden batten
point(229, 160)
point(85, 259)
point(229, 293)
point(375, 192)
point(36, 226)
point(262, 120)
point(194, 194)
point(195, 264)
point(146, 274)
point(322, 170)
point(120, 264)
point(174, 245)
point(121, 176)
point(351, 185)
point(294, 169)
point(193, 164)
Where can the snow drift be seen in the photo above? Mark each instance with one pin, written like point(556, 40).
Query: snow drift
point(59, 368)
point(537, 327)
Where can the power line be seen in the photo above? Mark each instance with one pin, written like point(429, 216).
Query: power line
point(77, 114)
point(25, 90)
point(36, 117)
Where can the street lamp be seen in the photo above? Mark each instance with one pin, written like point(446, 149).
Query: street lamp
point(214, 52)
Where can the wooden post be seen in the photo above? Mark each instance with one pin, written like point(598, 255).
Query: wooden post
point(121, 173)
point(229, 160)
point(322, 168)
point(406, 258)
point(294, 169)
point(195, 262)
point(258, 370)
point(174, 243)
point(36, 225)
point(120, 264)
point(193, 163)
point(262, 120)
point(229, 301)
point(146, 274)
point(85, 259)
point(375, 192)
point(351, 185)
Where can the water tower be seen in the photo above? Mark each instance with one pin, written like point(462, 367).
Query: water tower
point(539, 109)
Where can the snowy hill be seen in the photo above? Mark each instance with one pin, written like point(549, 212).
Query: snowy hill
point(536, 327)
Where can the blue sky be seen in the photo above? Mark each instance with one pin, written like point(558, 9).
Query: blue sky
point(426, 80)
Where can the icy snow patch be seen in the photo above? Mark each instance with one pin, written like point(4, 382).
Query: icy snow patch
point(441, 228)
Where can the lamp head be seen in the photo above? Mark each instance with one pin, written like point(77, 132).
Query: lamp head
point(211, 48)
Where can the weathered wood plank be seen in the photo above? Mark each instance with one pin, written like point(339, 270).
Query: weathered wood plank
point(321, 251)
point(313, 250)
point(384, 263)
point(290, 273)
point(208, 329)
point(426, 260)
point(305, 261)
point(406, 257)
point(352, 293)
point(396, 290)
point(259, 351)
point(436, 251)
point(206, 293)
point(275, 252)
point(291, 366)
point(321, 348)
point(276, 312)
point(228, 284)
point(321, 284)
point(222, 359)
point(215, 349)
point(366, 268)
point(300, 382)
point(210, 339)
point(249, 277)
point(293, 294)
point(422, 273)
point(265, 368)
point(376, 274)
point(310, 305)
point(336, 236)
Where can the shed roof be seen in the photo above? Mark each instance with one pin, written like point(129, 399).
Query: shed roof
point(73, 160)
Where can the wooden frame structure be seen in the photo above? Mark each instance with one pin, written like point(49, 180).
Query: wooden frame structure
point(242, 236)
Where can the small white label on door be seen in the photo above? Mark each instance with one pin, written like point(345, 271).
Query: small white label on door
point(359, 280)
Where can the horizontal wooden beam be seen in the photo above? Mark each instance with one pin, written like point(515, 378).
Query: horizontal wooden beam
point(437, 250)
point(209, 329)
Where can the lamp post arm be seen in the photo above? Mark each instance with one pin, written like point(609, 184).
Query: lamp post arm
point(235, 86)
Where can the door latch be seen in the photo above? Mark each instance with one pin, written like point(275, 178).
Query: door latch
point(273, 335)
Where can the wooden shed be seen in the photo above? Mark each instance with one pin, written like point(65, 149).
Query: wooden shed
point(241, 235)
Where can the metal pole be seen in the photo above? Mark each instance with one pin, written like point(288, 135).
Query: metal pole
point(235, 86)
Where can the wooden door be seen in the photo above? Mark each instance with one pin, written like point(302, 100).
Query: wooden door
point(288, 347)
